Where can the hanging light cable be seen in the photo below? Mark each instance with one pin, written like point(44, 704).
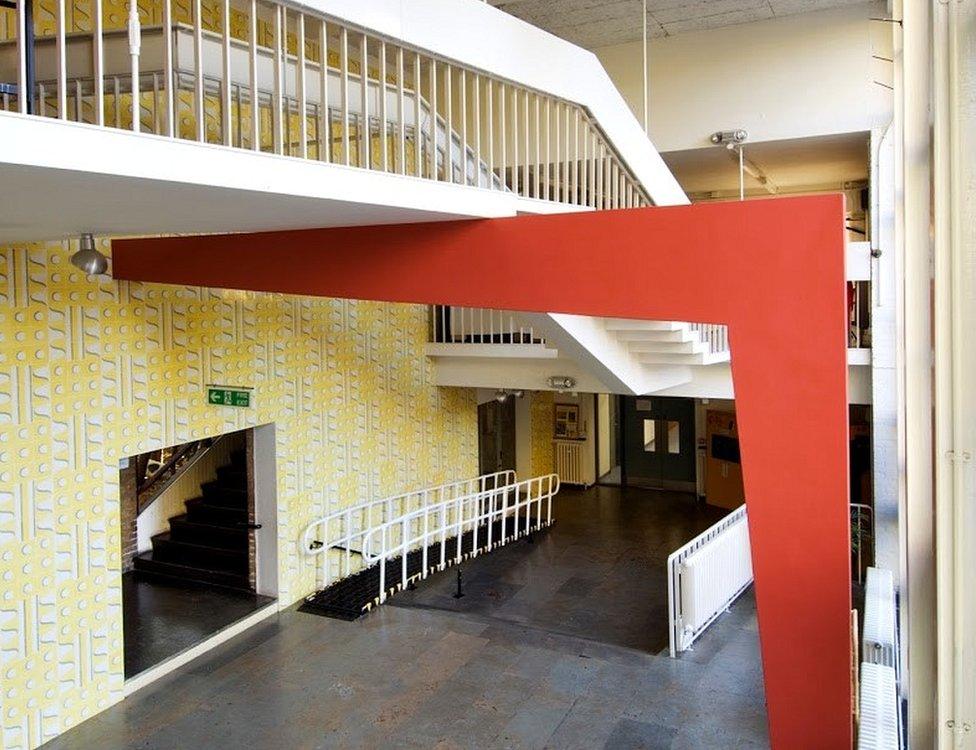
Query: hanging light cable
point(645, 75)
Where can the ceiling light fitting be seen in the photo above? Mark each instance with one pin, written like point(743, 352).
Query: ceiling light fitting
point(88, 259)
point(729, 137)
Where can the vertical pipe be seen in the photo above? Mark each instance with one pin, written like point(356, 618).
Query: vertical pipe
point(526, 188)
point(401, 157)
point(490, 107)
point(477, 130)
point(448, 123)
point(557, 154)
point(463, 110)
point(644, 82)
point(344, 91)
point(255, 100)
point(384, 114)
point(135, 42)
point(226, 91)
point(432, 67)
point(502, 143)
point(576, 156)
point(418, 136)
point(300, 84)
point(516, 185)
point(365, 131)
point(62, 62)
point(23, 38)
point(548, 159)
point(538, 149)
point(99, 64)
point(198, 64)
point(325, 128)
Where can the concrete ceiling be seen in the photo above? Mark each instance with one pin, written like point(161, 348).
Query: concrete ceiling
point(791, 166)
point(599, 23)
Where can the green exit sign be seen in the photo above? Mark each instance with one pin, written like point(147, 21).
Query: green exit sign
point(228, 396)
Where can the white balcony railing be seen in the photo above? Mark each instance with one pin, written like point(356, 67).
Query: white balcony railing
point(263, 76)
point(476, 325)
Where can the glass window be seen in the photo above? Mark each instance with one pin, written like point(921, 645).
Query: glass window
point(649, 442)
point(674, 437)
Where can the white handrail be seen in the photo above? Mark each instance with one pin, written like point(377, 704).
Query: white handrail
point(342, 527)
point(678, 638)
point(453, 518)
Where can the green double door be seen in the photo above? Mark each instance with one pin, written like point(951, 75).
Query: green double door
point(659, 442)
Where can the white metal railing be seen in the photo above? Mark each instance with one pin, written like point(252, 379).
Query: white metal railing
point(343, 529)
point(262, 75)
point(435, 524)
point(879, 710)
point(713, 334)
point(705, 576)
point(451, 324)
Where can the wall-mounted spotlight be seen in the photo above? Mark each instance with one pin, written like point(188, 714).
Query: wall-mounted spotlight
point(501, 395)
point(562, 383)
point(88, 259)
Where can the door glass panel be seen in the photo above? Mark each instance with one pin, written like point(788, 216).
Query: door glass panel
point(674, 437)
point(649, 442)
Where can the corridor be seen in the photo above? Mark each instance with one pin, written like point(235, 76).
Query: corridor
point(556, 643)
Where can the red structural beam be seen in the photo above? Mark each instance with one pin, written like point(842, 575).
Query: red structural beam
point(773, 270)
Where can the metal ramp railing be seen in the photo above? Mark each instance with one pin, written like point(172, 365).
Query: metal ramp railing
point(406, 537)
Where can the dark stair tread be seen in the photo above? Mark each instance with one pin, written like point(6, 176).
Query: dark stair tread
point(209, 502)
point(145, 562)
point(166, 537)
point(226, 536)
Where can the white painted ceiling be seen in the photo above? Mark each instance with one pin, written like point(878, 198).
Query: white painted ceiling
point(792, 166)
point(599, 23)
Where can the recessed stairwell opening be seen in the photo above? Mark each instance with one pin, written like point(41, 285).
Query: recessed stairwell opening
point(198, 543)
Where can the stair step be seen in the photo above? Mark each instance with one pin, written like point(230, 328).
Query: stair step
point(147, 564)
point(681, 335)
point(232, 476)
point(700, 358)
point(201, 510)
point(667, 347)
point(217, 493)
point(182, 529)
point(166, 549)
point(626, 324)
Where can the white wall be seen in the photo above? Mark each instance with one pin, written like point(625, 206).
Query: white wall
point(790, 77)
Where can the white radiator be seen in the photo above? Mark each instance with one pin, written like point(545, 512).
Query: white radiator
point(705, 576)
point(569, 461)
point(878, 725)
point(878, 633)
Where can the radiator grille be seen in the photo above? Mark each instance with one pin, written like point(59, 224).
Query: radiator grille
point(878, 728)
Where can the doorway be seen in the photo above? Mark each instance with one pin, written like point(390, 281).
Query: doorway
point(659, 442)
point(198, 543)
point(609, 464)
point(496, 436)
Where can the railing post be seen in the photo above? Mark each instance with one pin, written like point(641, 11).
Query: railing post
point(382, 596)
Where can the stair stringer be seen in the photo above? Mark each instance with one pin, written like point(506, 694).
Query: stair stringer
point(586, 340)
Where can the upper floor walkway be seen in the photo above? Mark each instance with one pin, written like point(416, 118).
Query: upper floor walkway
point(193, 116)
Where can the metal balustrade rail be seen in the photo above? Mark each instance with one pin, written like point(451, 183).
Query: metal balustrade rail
point(475, 325)
point(249, 74)
point(343, 529)
point(508, 507)
point(714, 334)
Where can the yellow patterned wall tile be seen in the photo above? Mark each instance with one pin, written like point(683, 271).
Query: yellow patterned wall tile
point(93, 371)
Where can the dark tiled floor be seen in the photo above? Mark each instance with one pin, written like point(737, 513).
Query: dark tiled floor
point(496, 673)
point(159, 620)
point(599, 573)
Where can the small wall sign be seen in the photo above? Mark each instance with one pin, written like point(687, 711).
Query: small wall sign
point(225, 395)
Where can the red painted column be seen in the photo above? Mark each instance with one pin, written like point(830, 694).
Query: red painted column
point(773, 270)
